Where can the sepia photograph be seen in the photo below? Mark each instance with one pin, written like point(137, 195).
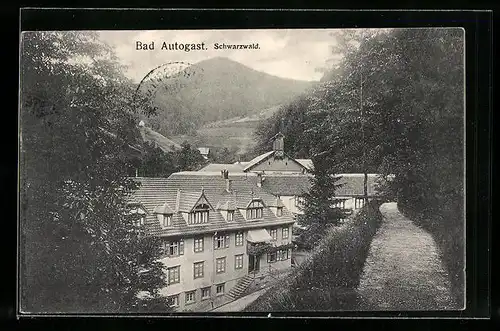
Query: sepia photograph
point(245, 170)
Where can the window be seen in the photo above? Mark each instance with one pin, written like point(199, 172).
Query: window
point(205, 293)
point(190, 297)
point(238, 261)
point(254, 210)
point(198, 269)
point(299, 202)
point(198, 244)
point(283, 254)
point(239, 239)
point(220, 265)
point(174, 300)
point(167, 220)
point(339, 204)
point(271, 257)
point(199, 215)
point(284, 233)
point(174, 275)
point(140, 221)
point(219, 289)
point(358, 203)
point(279, 211)
point(221, 241)
point(164, 247)
point(176, 248)
point(273, 233)
point(230, 215)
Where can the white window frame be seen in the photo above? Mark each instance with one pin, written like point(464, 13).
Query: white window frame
point(190, 297)
point(197, 271)
point(255, 210)
point(218, 286)
point(238, 239)
point(238, 258)
point(283, 230)
point(275, 232)
point(175, 277)
point(223, 240)
point(176, 248)
point(220, 265)
point(208, 289)
point(175, 298)
point(269, 260)
point(199, 215)
point(167, 220)
point(198, 244)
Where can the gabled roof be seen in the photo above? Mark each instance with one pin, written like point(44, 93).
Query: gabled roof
point(214, 167)
point(189, 200)
point(353, 184)
point(263, 157)
point(204, 150)
point(306, 163)
point(287, 184)
point(163, 209)
point(165, 190)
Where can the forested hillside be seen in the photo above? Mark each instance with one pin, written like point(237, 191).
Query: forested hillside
point(218, 89)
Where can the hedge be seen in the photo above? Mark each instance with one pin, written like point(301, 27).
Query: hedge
point(328, 280)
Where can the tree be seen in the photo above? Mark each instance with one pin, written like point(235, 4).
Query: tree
point(410, 85)
point(80, 249)
point(154, 162)
point(188, 158)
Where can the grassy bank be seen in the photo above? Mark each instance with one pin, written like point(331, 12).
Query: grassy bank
point(328, 280)
point(447, 229)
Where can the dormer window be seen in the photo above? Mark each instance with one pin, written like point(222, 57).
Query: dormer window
point(140, 221)
point(279, 211)
point(230, 215)
point(199, 215)
point(255, 210)
point(140, 213)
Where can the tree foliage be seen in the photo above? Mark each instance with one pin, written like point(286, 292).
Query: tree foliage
point(394, 105)
point(80, 249)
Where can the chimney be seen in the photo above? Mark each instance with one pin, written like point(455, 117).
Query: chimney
point(178, 200)
point(278, 143)
point(228, 181)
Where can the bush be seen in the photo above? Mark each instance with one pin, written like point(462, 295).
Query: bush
point(328, 280)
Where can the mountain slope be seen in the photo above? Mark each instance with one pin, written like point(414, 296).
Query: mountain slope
point(158, 139)
point(217, 89)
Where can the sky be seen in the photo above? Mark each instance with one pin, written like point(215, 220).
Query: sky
point(295, 54)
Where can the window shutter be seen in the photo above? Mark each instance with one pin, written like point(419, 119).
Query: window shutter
point(227, 241)
point(181, 247)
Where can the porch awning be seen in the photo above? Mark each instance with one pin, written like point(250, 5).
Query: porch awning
point(258, 236)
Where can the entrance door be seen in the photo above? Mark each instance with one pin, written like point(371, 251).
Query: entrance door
point(253, 263)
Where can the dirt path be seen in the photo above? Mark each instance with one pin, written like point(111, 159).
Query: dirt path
point(403, 270)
